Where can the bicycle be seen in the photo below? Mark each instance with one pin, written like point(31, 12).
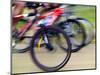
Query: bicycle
point(46, 37)
point(18, 35)
point(51, 37)
point(49, 33)
point(44, 43)
point(85, 27)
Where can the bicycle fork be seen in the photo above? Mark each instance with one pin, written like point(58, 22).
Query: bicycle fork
point(44, 40)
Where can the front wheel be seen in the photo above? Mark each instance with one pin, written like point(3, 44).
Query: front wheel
point(88, 28)
point(47, 58)
point(75, 32)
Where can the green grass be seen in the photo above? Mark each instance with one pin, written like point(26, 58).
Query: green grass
point(87, 12)
point(20, 24)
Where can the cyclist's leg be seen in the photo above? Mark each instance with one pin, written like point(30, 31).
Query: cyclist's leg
point(19, 6)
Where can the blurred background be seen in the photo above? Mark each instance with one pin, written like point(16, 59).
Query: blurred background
point(21, 63)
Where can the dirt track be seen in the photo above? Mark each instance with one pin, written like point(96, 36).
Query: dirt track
point(84, 59)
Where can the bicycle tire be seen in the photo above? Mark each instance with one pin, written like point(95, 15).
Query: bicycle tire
point(42, 66)
point(75, 47)
point(19, 49)
point(89, 31)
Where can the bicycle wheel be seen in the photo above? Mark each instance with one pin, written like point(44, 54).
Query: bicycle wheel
point(20, 45)
point(76, 34)
point(50, 57)
point(89, 31)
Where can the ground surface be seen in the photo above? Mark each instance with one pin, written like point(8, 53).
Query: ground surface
point(84, 59)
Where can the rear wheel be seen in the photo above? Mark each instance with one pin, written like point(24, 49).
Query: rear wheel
point(88, 27)
point(75, 32)
point(20, 45)
point(50, 56)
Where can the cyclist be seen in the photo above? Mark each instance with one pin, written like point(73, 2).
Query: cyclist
point(18, 8)
point(34, 7)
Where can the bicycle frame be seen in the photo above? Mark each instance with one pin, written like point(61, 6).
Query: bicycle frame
point(47, 19)
point(50, 17)
point(25, 27)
